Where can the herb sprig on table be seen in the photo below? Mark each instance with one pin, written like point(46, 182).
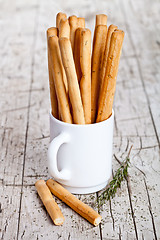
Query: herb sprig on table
point(115, 183)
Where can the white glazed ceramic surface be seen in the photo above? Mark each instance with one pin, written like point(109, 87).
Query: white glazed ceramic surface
point(80, 156)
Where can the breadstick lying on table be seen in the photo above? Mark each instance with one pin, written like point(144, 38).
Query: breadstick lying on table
point(85, 83)
point(109, 85)
point(104, 65)
point(97, 55)
point(53, 96)
point(73, 86)
point(58, 73)
point(64, 28)
point(49, 203)
point(73, 22)
point(81, 208)
point(59, 16)
point(81, 22)
point(101, 19)
point(77, 53)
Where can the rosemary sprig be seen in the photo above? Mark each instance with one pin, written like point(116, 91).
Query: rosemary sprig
point(120, 175)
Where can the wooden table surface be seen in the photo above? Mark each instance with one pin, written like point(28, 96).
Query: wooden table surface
point(134, 213)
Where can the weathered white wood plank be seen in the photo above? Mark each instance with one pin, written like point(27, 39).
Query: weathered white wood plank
point(15, 51)
point(147, 50)
point(16, 43)
point(9, 206)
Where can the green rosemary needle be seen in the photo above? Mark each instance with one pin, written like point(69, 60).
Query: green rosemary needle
point(115, 183)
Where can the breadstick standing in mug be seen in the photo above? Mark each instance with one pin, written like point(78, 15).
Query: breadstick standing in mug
point(53, 96)
point(81, 22)
point(78, 206)
point(101, 19)
point(97, 54)
point(49, 203)
point(64, 28)
point(85, 83)
point(109, 85)
point(104, 65)
point(73, 22)
point(73, 86)
point(59, 16)
point(57, 68)
point(77, 53)
point(63, 31)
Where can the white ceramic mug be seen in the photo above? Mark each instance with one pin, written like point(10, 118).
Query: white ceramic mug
point(80, 156)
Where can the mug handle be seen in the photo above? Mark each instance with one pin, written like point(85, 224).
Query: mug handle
point(54, 146)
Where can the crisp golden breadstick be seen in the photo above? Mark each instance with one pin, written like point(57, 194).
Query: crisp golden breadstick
point(104, 65)
point(109, 85)
point(53, 97)
point(59, 16)
point(101, 19)
point(85, 83)
point(52, 31)
point(81, 22)
point(73, 22)
point(73, 86)
point(64, 28)
point(97, 55)
point(77, 53)
point(57, 68)
point(48, 201)
point(78, 206)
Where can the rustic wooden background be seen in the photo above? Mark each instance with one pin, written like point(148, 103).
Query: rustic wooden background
point(24, 99)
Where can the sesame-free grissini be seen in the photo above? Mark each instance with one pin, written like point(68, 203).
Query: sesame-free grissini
point(104, 64)
point(100, 35)
point(58, 72)
point(109, 85)
point(64, 28)
point(76, 52)
point(85, 63)
point(73, 86)
point(101, 19)
point(53, 96)
point(81, 208)
point(49, 202)
point(59, 16)
point(81, 22)
point(73, 22)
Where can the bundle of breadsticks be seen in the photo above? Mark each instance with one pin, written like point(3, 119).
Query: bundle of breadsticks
point(82, 83)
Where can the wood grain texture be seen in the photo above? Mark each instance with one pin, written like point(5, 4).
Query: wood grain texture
point(24, 104)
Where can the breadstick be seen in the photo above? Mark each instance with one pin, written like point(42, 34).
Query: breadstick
point(57, 68)
point(104, 65)
point(81, 22)
point(64, 28)
point(64, 31)
point(73, 87)
point(48, 201)
point(97, 54)
point(59, 16)
point(78, 206)
point(101, 19)
point(109, 85)
point(85, 83)
point(77, 53)
point(52, 31)
point(73, 22)
point(53, 97)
